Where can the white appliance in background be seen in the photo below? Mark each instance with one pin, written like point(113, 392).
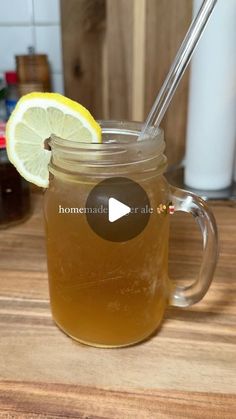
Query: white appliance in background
point(211, 126)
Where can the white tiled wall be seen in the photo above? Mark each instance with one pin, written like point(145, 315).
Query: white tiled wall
point(25, 23)
point(46, 11)
point(48, 40)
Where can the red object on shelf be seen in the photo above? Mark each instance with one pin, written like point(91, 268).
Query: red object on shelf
point(11, 77)
point(2, 135)
point(2, 142)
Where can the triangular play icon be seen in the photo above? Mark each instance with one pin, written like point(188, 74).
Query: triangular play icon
point(117, 209)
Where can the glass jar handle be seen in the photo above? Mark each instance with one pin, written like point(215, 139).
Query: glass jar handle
point(191, 203)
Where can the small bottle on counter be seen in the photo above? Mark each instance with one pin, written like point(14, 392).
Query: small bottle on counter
point(33, 72)
point(12, 93)
point(235, 169)
point(14, 190)
point(3, 113)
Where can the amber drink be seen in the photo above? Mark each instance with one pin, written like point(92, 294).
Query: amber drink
point(106, 293)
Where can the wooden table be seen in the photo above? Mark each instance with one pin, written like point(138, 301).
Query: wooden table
point(187, 371)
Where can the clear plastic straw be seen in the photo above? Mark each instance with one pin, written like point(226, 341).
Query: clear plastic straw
point(178, 67)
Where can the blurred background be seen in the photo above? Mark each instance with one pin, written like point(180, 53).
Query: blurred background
point(110, 55)
point(113, 56)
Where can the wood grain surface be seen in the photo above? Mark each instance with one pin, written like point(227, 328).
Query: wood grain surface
point(83, 28)
point(188, 370)
point(119, 38)
point(166, 25)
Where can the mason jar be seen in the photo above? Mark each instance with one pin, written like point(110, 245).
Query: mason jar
point(113, 293)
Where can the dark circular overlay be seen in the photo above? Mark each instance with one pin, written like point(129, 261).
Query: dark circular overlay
point(124, 191)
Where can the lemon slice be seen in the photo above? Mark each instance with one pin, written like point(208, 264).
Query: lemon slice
point(36, 117)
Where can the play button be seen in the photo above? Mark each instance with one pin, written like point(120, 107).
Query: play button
point(117, 209)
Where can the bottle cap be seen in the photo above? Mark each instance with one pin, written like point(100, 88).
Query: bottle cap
point(11, 77)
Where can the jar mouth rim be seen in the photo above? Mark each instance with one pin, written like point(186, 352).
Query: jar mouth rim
point(112, 127)
point(120, 151)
